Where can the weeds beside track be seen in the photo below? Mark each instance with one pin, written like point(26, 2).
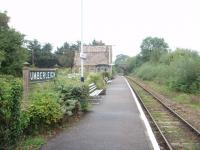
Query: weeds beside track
point(175, 132)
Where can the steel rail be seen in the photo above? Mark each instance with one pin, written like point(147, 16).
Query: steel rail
point(172, 111)
point(151, 117)
point(160, 100)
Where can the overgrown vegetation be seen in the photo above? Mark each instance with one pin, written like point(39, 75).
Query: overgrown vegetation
point(179, 69)
point(96, 78)
point(49, 104)
point(44, 111)
point(10, 97)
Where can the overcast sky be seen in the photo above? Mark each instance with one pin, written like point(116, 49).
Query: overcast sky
point(122, 23)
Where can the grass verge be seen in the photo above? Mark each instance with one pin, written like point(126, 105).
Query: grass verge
point(187, 99)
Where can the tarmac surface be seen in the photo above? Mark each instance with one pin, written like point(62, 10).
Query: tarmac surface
point(115, 124)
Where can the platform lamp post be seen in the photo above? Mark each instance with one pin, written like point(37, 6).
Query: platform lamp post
point(81, 53)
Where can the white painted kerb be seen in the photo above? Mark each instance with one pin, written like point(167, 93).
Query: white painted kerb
point(144, 119)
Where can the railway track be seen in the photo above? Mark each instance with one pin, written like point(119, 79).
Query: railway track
point(172, 131)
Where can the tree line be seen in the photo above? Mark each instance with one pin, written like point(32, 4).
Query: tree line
point(178, 69)
point(15, 50)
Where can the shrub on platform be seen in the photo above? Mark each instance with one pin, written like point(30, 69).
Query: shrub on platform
point(96, 78)
point(107, 75)
point(74, 96)
point(10, 96)
point(44, 110)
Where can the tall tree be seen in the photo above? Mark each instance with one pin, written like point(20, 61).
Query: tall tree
point(153, 48)
point(34, 48)
point(65, 54)
point(121, 63)
point(121, 59)
point(133, 63)
point(4, 19)
point(12, 52)
point(47, 58)
point(41, 56)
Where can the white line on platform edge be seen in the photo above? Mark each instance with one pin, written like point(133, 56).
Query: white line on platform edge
point(144, 119)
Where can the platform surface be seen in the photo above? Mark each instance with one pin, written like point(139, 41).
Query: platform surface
point(115, 124)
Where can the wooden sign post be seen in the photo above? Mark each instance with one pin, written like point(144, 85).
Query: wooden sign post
point(25, 80)
point(35, 76)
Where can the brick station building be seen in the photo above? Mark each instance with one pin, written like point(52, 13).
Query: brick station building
point(98, 58)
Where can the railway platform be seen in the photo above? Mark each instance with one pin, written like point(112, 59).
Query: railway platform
point(115, 124)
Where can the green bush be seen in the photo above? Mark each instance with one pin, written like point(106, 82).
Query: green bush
point(10, 96)
point(146, 72)
point(180, 70)
point(96, 78)
point(159, 73)
point(186, 75)
point(80, 91)
point(70, 107)
point(76, 93)
point(24, 120)
point(107, 75)
point(163, 73)
point(44, 110)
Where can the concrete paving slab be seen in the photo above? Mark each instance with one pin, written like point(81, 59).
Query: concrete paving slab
point(115, 124)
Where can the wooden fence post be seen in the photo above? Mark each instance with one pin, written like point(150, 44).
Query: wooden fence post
point(25, 81)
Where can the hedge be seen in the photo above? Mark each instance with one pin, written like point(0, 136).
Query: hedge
point(10, 96)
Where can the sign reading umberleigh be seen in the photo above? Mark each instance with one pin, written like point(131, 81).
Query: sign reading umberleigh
point(41, 75)
point(32, 75)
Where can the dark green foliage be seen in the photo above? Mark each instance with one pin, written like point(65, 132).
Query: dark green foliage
point(10, 95)
point(133, 63)
point(73, 95)
point(51, 101)
point(77, 91)
point(65, 54)
point(41, 56)
point(121, 63)
point(12, 53)
point(46, 58)
point(121, 59)
point(96, 78)
point(80, 92)
point(4, 19)
point(153, 48)
point(180, 70)
point(24, 120)
point(44, 110)
point(186, 75)
point(72, 89)
point(157, 72)
point(34, 48)
point(147, 72)
point(84, 105)
point(70, 106)
point(97, 43)
point(107, 75)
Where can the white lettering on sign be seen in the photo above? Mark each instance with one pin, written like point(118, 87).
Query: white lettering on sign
point(41, 75)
